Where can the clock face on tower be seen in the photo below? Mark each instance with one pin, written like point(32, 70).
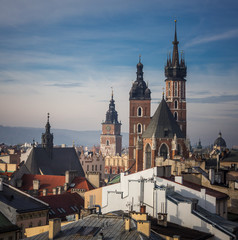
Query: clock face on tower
point(108, 128)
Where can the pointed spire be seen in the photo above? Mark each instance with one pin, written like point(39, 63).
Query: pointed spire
point(175, 59)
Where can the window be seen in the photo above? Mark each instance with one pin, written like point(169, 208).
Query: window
point(164, 151)
point(92, 167)
point(139, 128)
point(39, 223)
point(107, 143)
point(100, 167)
point(169, 92)
point(96, 167)
point(148, 157)
point(175, 89)
point(87, 167)
point(139, 112)
point(176, 116)
point(175, 104)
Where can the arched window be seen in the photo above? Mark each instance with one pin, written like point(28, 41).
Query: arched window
point(107, 142)
point(176, 116)
point(169, 91)
point(175, 104)
point(148, 156)
point(139, 112)
point(139, 128)
point(163, 151)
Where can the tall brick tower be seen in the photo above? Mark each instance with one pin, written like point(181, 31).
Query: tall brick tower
point(175, 73)
point(139, 115)
point(111, 139)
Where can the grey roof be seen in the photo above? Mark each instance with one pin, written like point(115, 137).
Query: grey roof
point(228, 227)
point(220, 141)
point(217, 221)
point(63, 159)
point(6, 225)
point(19, 200)
point(91, 226)
point(163, 121)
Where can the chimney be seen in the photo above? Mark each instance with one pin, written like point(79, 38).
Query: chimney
point(127, 224)
point(179, 179)
point(54, 191)
point(45, 190)
point(70, 175)
point(65, 187)
point(144, 227)
point(142, 209)
point(1, 185)
point(59, 189)
point(36, 184)
point(54, 227)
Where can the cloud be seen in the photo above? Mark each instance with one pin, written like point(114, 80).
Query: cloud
point(65, 85)
point(215, 99)
point(212, 38)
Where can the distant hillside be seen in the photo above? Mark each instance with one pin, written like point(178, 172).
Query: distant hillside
point(20, 135)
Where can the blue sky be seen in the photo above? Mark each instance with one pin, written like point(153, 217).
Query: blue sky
point(63, 57)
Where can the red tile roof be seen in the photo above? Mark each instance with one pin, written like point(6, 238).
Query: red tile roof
point(51, 181)
point(63, 204)
point(82, 183)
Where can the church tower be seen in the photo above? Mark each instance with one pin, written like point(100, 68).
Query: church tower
point(47, 138)
point(139, 113)
point(175, 73)
point(111, 139)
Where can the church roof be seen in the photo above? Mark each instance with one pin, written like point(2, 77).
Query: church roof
point(163, 124)
point(63, 159)
point(220, 142)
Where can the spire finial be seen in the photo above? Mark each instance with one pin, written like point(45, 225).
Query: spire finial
point(112, 92)
point(163, 93)
point(139, 58)
point(48, 117)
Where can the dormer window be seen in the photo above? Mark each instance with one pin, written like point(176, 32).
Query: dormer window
point(166, 132)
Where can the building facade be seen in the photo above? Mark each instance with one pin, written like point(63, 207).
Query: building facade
point(111, 139)
point(139, 112)
point(175, 73)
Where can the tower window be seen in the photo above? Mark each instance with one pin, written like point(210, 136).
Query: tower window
point(175, 89)
point(176, 116)
point(176, 104)
point(139, 128)
point(169, 92)
point(107, 142)
point(139, 112)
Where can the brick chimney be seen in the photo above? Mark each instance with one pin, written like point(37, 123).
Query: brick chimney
point(144, 227)
point(36, 184)
point(54, 227)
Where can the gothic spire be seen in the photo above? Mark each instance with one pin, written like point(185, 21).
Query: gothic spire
point(175, 59)
point(111, 115)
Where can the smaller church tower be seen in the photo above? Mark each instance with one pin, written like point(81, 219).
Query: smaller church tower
point(47, 138)
point(175, 73)
point(111, 139)
point(139, 115)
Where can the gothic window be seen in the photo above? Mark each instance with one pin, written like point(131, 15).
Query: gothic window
point(100, 167)
point(176, 116)
point(87, 167)
point(175, 104)
point(139, 128)
point(182, 89)
point(148, 156)
point(164, 151)
point(92, 167)
point(169, 92)
point(139, 112)
point(96, 167)
point(107, 143)
point(175, 89)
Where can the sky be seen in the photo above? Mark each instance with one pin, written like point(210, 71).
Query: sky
point(64, 57)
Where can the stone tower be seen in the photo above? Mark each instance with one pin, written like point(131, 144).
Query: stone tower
point(47, 138)
point(111, 139)
point(139, 113)
point(175, 73)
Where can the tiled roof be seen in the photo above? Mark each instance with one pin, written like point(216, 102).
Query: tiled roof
point(51, 181)
point(46, 181)
point(82, 183)
point(64, 204)
point(163, 121)
point(19, 200)
point(63, 159)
